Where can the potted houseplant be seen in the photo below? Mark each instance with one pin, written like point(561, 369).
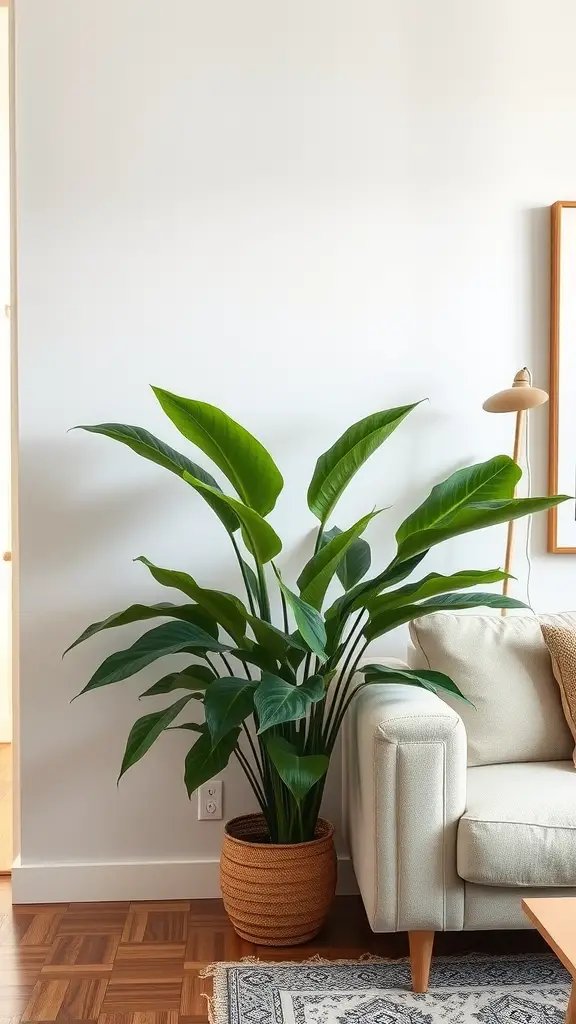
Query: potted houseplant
point(274, 678)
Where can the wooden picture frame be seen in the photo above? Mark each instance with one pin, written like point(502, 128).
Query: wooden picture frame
point(562, 459)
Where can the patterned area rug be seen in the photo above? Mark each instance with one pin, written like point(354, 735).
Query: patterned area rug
point(486, 990)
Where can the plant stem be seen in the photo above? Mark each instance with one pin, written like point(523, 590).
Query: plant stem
point(344, 669)
point(227, 664)
point(245, 665)
point(343, 702)
point(251, 604)
point(264, 599)
point(212, 665)
point(319, 537)
point(252, 780)
point(284, 612)
point(253, 749)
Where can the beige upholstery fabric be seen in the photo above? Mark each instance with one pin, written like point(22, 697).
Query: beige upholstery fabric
point(519, 828)
point(405, 758)
point(502, 665)
point(489, 907)
point(561, 643)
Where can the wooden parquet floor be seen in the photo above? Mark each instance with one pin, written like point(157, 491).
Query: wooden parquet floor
point(140, 963)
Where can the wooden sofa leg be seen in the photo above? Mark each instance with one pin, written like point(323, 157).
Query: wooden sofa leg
point(421, 944)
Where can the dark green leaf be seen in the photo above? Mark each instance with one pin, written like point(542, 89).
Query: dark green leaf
point(248, 466)
point(388, 619)
point(146, 730)
point(310, 624)
point(204, 760)
point(432, 585)
point(191, 726)
point(170, 638)
point(356, 561)
point(318, 573)
point(256, 655)
point(144, 443)
point(228, 702)
point(299, 774)
point(273, 639)
point(427, 679)
point(278, 701)
point(258, 535)
point(336, 467)
point(225, 608)
point(195, 677)
point(140, 612)
point(357, 597)
point(295, 656)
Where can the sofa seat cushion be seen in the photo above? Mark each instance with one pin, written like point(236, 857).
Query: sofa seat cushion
point(519, 828)
point(502, 664)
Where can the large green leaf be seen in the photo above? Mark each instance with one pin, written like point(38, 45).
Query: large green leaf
point(195, 677)
point(256, 655)
point(432, 585)
point(140, 612)
point(144, 443)
point(169, 638)
point(227, 609)
point(362, 592)
point(319, 572)
point(478, 516)
point(309, 621)
point(389, 618)
point(356, 561)
point(485, 481)
point(204, 760)
point(248, 466)
point(146, 730)
point(278, 701)
point(228, 702)
point(336, 467)
point(425, 678)
point(273, 639)
point(258, 535)
point(470, 499)
point(298, 773)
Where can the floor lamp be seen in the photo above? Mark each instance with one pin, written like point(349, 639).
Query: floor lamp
point(520, 398)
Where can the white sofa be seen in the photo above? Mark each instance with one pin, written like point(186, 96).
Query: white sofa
point(453, 813)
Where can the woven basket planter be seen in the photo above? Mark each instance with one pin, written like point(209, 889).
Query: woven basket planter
point(275, 894)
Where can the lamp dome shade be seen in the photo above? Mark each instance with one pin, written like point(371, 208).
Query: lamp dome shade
point(521, 396)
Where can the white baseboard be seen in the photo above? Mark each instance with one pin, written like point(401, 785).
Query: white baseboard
point(5, 729)
point(150, 880)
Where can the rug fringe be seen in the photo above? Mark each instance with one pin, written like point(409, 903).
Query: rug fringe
point(217, 1005)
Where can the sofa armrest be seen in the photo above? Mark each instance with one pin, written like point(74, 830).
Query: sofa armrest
point(405, 786)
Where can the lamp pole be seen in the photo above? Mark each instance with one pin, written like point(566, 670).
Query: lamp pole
point(521, 397)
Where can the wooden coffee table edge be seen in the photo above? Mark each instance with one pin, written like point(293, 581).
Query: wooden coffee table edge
point(531, 912)
point(532, 916)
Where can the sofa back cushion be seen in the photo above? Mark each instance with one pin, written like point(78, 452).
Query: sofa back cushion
point(502, 665)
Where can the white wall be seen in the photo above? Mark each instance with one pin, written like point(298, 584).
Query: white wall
point(302, 212)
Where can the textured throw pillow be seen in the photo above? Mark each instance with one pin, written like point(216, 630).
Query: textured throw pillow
point(561, 642)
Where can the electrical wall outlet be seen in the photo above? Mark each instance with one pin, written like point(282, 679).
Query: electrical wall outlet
point(210, 801)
